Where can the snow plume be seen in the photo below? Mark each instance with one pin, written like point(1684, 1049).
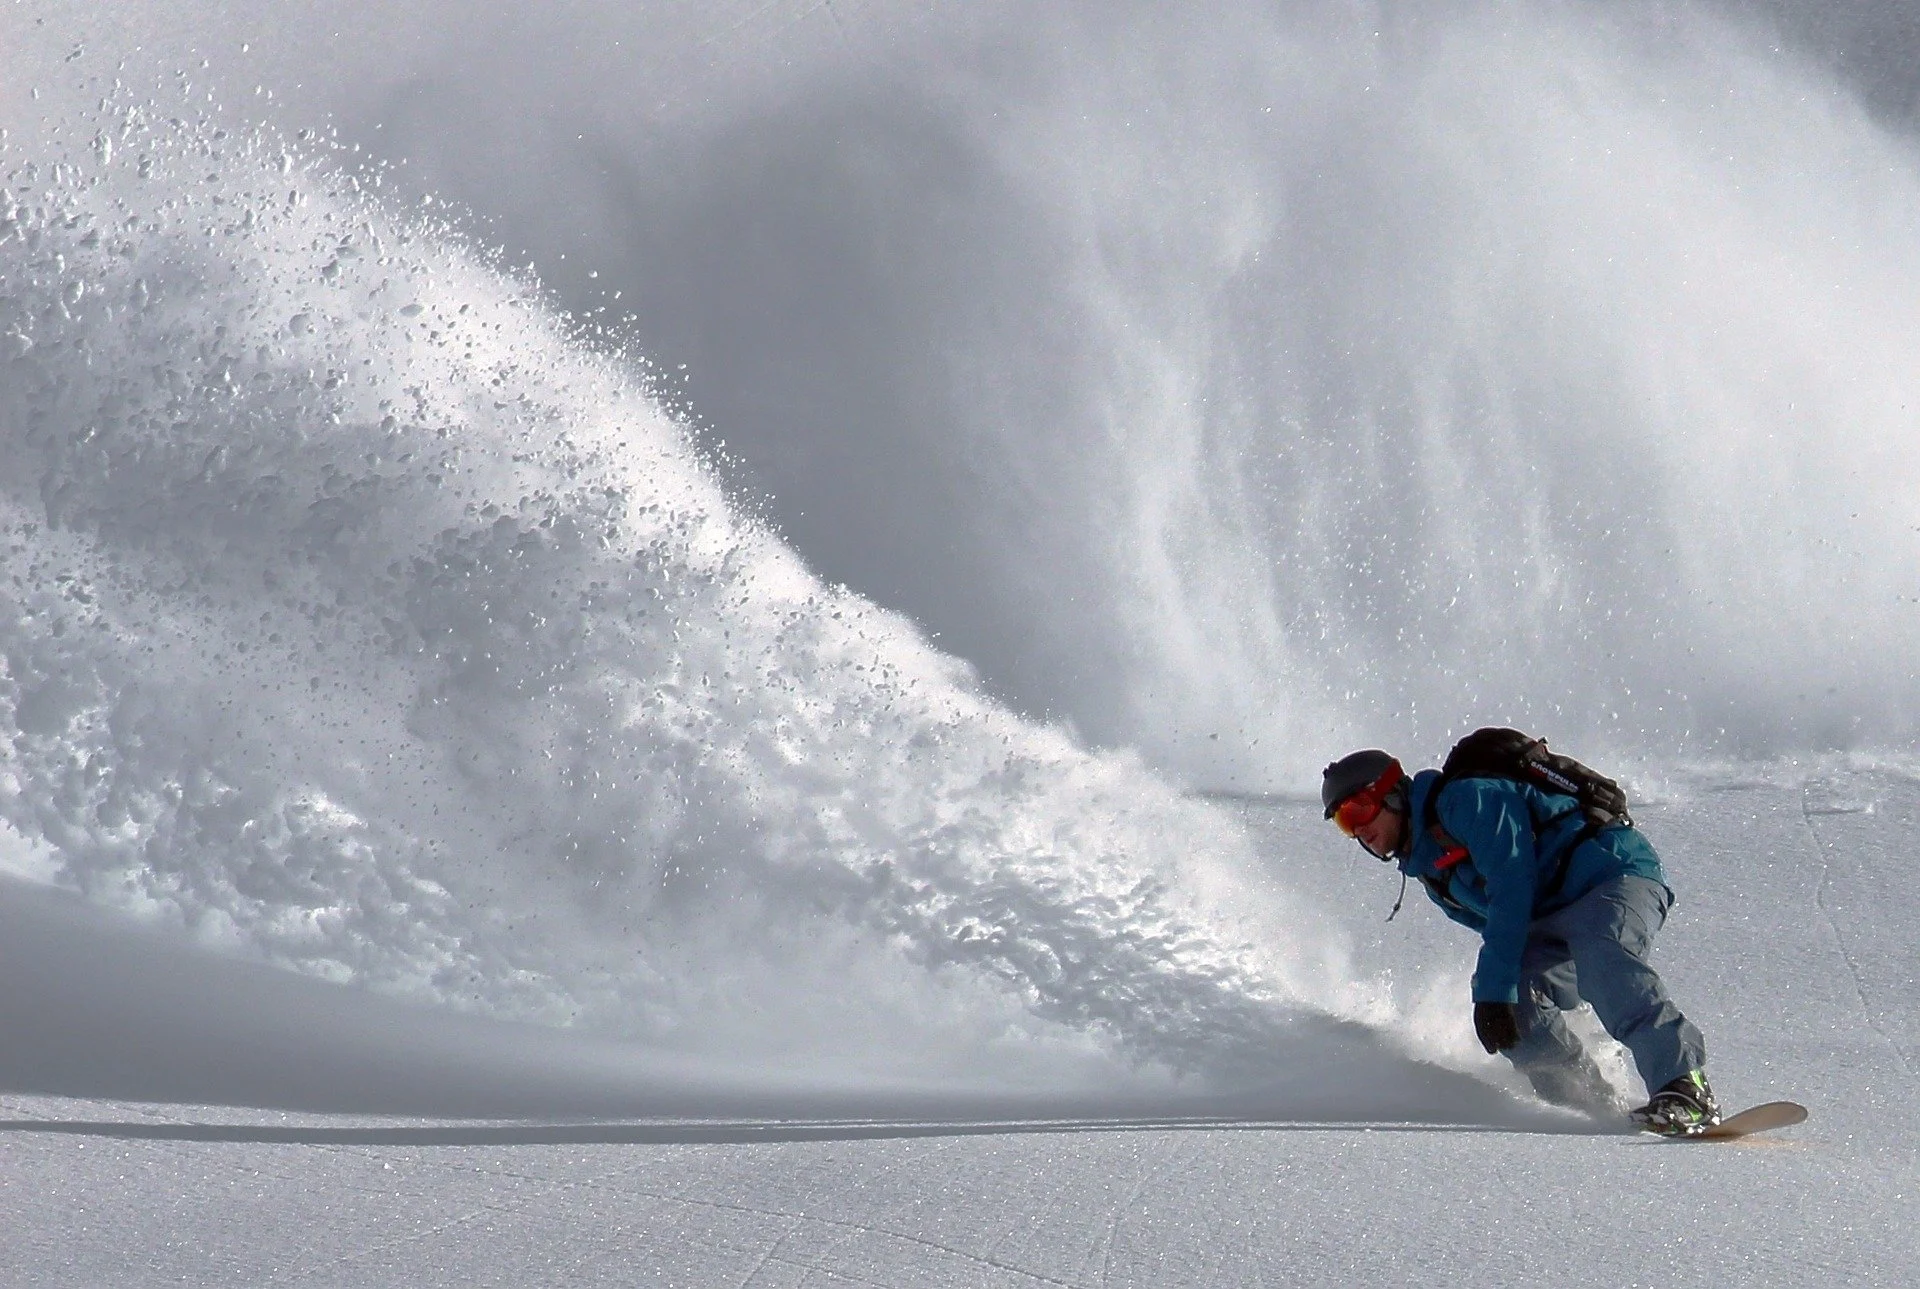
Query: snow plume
point(1251, 381)
point(363, 619)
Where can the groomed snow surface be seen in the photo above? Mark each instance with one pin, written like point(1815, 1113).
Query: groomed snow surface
point(1792, 945)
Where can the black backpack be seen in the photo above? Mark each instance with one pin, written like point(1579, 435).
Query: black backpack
point(1495, 753)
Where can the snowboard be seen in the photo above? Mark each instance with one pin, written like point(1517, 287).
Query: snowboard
point(1760, 1118)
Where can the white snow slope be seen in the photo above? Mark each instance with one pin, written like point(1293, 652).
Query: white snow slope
point(1792, 946)
point(764, 733)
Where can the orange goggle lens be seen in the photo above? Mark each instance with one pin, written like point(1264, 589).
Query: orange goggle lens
point(1357, 811)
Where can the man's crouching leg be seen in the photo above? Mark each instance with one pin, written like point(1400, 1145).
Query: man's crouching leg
point(1610, 934)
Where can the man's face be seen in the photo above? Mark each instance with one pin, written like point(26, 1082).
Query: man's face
point(1382, 834)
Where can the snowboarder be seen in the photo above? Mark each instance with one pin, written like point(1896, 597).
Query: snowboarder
point(1566, 914)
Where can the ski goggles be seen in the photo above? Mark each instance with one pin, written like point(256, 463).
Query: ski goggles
point(1364, 806)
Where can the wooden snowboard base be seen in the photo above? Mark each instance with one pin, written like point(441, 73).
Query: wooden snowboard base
point(1760, 1118)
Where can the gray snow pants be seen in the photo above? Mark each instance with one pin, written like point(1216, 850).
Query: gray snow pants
point(1595, 950)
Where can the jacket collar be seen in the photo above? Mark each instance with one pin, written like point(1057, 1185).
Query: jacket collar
point(1420, 849)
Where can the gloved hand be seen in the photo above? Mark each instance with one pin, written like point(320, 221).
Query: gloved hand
point(1497, 1025)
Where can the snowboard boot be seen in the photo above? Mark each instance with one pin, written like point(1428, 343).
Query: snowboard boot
point(1683, 1108)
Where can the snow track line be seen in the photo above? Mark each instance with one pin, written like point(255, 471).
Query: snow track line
point(849, 1227)
point(1840, 940)
point(1119, 1214)
point(746, 1281)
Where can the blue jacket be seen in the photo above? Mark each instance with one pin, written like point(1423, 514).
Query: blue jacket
point(1514, 847)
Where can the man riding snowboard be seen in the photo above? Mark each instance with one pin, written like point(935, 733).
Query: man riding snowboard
point(1566, 909)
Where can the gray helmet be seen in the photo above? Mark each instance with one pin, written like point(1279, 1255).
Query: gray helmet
point(1352, 773)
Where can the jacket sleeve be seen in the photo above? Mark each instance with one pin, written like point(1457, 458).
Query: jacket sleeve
point(1490, 818)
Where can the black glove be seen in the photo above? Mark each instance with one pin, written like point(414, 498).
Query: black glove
point(1497, 1025)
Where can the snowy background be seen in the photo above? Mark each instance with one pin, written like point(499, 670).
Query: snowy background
point(691, 644)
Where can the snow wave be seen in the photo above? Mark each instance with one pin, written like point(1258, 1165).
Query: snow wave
point(364, 619)
point(1246, 381)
